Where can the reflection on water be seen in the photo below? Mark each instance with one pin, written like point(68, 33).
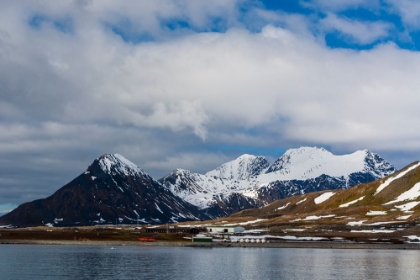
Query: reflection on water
point(101, 262)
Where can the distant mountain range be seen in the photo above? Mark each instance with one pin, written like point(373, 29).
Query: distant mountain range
point(114, 190)
point(251, 181)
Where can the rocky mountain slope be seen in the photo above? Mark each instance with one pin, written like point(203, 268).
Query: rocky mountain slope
point(251, 181)
point(111, 190)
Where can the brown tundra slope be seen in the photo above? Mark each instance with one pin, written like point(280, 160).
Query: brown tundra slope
point(386, 210)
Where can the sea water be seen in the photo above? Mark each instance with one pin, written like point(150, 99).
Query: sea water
point(152, 262)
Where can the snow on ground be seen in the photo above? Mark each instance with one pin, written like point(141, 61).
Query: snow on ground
point(374, 231)
point(252, 222)
point(284, 206)
point(246, 223)
point(407, 206)
point(351, 202)
point(390, 180)
point(375, 213)
point(323, 197)
point(381, 223)
point(411, 194)
point(413, 238)
point(311, 218)
point(7, 226)
point(403, 217)
point(157, 208)
point(299, 202)
point(359, 223)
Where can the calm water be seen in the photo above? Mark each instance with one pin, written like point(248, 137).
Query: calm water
point(102, 262)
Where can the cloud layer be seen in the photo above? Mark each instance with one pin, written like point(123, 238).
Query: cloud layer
point(192, 84)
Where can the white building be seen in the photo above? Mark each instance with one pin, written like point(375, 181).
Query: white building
point(225, 229)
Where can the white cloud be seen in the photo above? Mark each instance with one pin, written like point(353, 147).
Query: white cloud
point(356, 31)
point(67, 98)
point(340, 5)
point(409, 10)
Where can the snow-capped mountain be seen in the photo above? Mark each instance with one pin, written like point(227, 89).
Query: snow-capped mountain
point(243, 168)
point(311, 162)
point(253, 182)
point(111, 190)
point(387, 209)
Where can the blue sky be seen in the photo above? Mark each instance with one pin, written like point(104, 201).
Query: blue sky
point(193, 84)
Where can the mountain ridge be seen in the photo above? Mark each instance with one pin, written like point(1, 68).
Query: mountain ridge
point(296, 171)
point(113, 188)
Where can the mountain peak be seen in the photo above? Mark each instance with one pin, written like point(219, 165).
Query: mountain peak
point(377, 165)
point(305, 149)
point(299, 156)
point(117, 164)
point(242, 168)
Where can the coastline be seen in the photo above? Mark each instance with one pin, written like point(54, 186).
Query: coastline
point(288, 244)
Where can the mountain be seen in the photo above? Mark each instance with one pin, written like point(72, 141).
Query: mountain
point(243, 168)
point(251, 181)
point(111, 190)
point(114, 190)
point(311, 162)
point(389, 206)
point(385, 211)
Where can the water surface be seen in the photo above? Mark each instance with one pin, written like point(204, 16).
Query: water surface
point(130, 262)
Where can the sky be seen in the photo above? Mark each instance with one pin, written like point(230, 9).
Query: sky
point(193, 84)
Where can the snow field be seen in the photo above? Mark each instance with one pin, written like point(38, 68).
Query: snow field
point(374, 231)
point(390, 180)
point(311, 218)
point(351, 202)
point(408, 206)
point(323, 197)
point(284, 206)
point(376, 213)
point(303, 200)
point(411, 194)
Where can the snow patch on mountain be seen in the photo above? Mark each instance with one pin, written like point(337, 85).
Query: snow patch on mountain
point(391, 179)
point(201, 190)
point(243, 168)
point(311, 162)
point(323, 197)
point(117, 164)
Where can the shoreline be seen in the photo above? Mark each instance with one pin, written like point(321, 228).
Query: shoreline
point(288, 244)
